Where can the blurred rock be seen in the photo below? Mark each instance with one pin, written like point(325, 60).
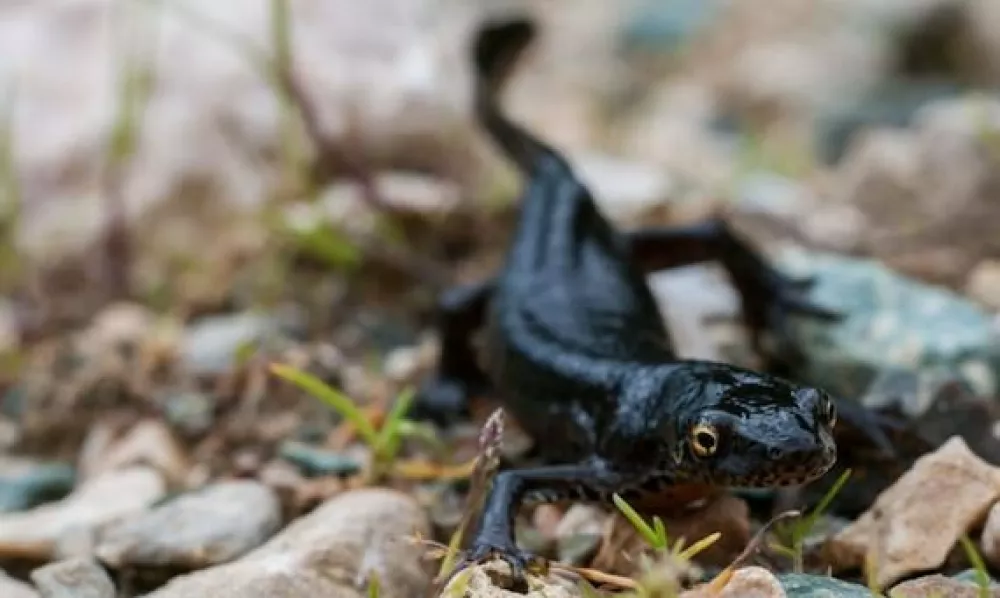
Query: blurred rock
point(12, 588)
point(210, 345)
point(889, 104)
point(984, 284)
point(117, 326)
point(990, 543)
point(693, 300)
point(149, 442)
point(579, 533)
point(747, 582)
point(190, 413)
point(890, 323)
point(657, 26)
point(213, 123)
point(207, 527)
point(25, 483)
point(624, 190)
point(928, 193)
point(931, 586)
point(73, 578)
point(96, 502)
point(800, 585)
point(914, 524)
point(315, 462)
point(332, 551)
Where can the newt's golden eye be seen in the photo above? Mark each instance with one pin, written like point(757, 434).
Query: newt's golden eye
point(704, 440)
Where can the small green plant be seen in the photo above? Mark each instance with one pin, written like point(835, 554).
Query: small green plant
point(384, 442)
point(374, 586)
point(791, 536)
point(982, 575)
point(656, 535)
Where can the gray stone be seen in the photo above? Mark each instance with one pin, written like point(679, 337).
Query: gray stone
point(332, 551)
point(206, 527)
point(39, 533)
point(800, 585)
point(666, 26)
point(313, 461)
point(890, 323)
point(73, 578)
point(12, 588)
point(210, 345)
point(25, 484)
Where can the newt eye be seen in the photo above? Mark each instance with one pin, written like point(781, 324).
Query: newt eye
point(704, 440)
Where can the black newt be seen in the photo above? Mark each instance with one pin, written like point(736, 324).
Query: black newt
point(578, 352)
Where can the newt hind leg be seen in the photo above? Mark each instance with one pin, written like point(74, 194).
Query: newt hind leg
point(461, 311)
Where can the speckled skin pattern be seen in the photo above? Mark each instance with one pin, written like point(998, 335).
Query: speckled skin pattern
point(577, 350)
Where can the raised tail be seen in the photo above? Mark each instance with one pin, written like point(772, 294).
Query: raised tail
point(498, 46)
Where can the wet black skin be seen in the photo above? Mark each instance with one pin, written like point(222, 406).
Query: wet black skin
point(577, 350)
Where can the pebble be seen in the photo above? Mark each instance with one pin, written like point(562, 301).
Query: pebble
point(984, 284)
point(209, 345)
point(191, 413)
point(25, 483)
point(914, 524)
point(73, 578)
point(313, 461)
point(932, 586)
point(801, 585)
point(579, 533)
point(206, 527)
point(329, 552)
point(106, 498)
point(891, 322)
point(149, 442)
point(990, 542)
point(748, 582)
point(12, 588)
point(625, 190)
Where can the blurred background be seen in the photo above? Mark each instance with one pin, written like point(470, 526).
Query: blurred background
point(189, 191)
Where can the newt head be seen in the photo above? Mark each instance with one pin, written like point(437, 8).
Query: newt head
point(739, 428)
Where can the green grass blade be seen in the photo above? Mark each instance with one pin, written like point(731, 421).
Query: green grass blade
point(390, 436)
point(648, 533)
point(341, 403)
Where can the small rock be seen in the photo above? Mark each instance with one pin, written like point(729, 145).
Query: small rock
point(314, 462)
point(914, 524)
point(800, 585)
point(12, 588)
point(579, 533)
point(626, 191)
point(118, 325)
point(691, 299)
point(933, 586)
point(493, 580)
point(149, 442)
point(654, 26)
point(332, 551)
point(191, 413)
point(73, 578)
point(210, 345)
point(207, 527)
point(991, 536)
point(748, 582)
point(106, 498)
point(984, 284)
point(890, 322)
point(25, 484)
